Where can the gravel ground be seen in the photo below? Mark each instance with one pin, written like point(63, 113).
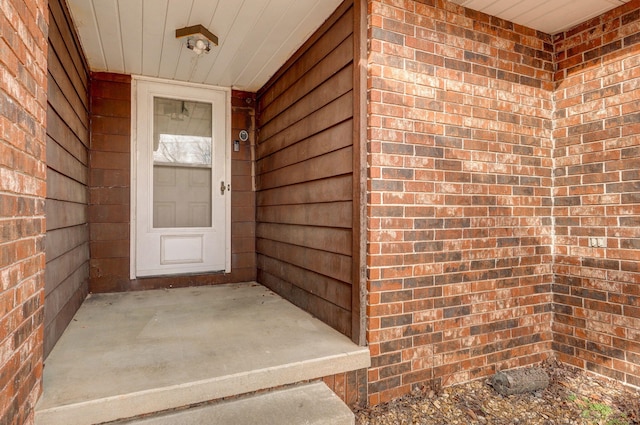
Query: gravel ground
point(572, 397)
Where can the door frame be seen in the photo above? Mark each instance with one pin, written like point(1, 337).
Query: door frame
point(134, 167)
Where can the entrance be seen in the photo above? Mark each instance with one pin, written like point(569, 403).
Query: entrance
point(181, 179)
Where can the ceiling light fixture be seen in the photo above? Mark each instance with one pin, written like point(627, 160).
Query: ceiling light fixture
point(199, 39)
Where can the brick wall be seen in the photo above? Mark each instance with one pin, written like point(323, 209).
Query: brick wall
point(597, 195)
point(460, 185)
point(351, 387)
point(110, 176)
point(23, 102)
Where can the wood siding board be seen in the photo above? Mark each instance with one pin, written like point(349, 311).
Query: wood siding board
point(59, 72)
point(332, 139)
point(340, 57)
point(320, 191)
point(337, 28)
point(62, 319)
point(304, 175)
point(63, 162)
point(67, 142)
point(339, 84)
point(332, 114)
point(62, 188)
point(330, 165)
point(66, 43)
point(59, 269)
point(331, 214)
point(59, 132)
point(61, 241)
point(329, 313)
point(359, 279)
point(331, 290)
point(64, 214)
point(59, 296)
point(328, 264)
point(58, 102)
point(322, 238)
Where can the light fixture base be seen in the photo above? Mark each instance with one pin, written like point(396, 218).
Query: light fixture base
point(199, 39)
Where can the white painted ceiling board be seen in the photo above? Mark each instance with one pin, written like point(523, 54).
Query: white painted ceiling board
point(130, 18)
point(245, 22)
point(251, 42)
point(548, 16)
point(84, 17)
point(109, 29)
point(302, 31)
point(177, 16)
point(286, 28)
point(137, 37)
point(154, 15)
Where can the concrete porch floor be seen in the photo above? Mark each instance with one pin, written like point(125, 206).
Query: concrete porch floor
point(135, 353)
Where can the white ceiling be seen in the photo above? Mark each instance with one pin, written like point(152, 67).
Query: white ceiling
point(255, 37)
point(548, 16)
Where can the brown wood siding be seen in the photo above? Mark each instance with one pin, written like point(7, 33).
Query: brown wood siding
point(110, 192)
point(305, 176)
point(67, 241)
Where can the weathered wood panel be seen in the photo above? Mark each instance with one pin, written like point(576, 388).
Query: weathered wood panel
point(304, 175)
point(322, 119)
point(337, 28)
point(330, 214)
point(61, 160)
point(326, 166)
point(67, 45)
point(329, 313)
point(331, 89)
point(325, 239)
point(320, 73)
point(330, 140)
point(67, 242)
point(336, 292)
point(335, 189)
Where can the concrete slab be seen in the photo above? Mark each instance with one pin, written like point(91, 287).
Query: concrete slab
point(135, 353)
point(310, 404)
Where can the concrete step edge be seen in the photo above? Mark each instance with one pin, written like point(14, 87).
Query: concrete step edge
point(303, 404)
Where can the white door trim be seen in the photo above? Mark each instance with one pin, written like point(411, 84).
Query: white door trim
point(134, 166)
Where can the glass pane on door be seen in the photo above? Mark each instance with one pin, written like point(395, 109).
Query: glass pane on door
point(182, 153)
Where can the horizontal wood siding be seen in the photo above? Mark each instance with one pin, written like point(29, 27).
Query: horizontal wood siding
point(67, 241)
point(305, 205)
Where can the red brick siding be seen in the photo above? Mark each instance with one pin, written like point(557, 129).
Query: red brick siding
point(23, 102)
point(460, 186)
point(597, 195)
point(110, 177)
point(351, 387)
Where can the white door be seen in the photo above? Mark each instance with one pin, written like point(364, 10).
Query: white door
point(181, 179)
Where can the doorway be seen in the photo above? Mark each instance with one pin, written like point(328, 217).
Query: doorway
point(181, 178)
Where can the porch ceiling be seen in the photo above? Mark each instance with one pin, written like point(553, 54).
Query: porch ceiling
point(548, 16)
point(138, 37)
point(255, 36)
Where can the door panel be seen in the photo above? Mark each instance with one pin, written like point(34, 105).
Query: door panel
point(181, 222)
